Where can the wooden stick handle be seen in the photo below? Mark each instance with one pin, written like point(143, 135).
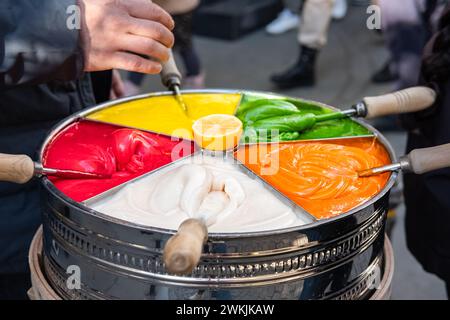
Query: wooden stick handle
point(183, 250)
point(403, 101)
point(16, 168)
point(429, 159)
point(170, 75)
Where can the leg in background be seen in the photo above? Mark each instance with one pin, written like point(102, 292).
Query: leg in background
point(315, 21)
point(132, 83)
point(316, 17)
point(184, 45)
point(136, 78)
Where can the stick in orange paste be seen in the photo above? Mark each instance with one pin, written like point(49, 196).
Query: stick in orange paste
point(321, 177)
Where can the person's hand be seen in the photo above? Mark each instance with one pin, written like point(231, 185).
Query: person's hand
point(119, 34)
point(117, 86)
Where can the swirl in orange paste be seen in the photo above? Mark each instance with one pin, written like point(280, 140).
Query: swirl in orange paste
point(321, 177)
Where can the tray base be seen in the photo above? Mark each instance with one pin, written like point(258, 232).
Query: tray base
point(41, 289)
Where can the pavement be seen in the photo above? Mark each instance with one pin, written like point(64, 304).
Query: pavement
point(345, 65)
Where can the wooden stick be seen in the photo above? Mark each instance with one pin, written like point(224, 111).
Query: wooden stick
point(16, 168)
point(403, 101)
point(429, 159)
point(183, 250)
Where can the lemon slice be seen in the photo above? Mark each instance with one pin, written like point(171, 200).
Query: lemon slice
point(217, 132)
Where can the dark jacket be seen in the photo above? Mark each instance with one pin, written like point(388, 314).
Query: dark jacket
point(41, 82)
point(427, 196)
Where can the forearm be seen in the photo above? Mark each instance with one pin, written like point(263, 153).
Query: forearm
point(37, 45)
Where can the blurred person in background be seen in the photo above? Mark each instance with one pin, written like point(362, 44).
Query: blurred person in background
point(289, 20)
point(406, 26)
point(49, 71)
point(182, 12)
point(427, 196)
point(387, 72)
point(406, 29)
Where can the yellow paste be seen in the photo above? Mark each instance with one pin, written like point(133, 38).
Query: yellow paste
point(164, 115)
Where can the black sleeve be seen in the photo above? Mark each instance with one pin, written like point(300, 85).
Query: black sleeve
point(101, 85)
point(36, 44)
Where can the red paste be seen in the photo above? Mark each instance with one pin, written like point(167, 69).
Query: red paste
point(102, 148)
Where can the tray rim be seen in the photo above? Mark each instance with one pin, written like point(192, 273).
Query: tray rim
point(50, 187)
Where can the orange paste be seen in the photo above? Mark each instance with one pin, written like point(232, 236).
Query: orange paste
point(321, 177)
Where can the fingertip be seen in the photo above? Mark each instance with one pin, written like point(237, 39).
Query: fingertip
point(159, 68)
point(155, 68)
point(172, 41)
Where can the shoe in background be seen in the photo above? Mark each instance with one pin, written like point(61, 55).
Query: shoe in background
point(385, 74)
point(286, 21)
point(340, 9)
point(302, 74)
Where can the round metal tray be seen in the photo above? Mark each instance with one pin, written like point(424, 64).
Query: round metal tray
point(122, 260)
